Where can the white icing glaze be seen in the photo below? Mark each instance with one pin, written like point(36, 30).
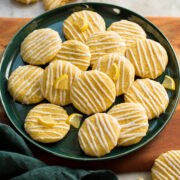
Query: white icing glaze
point(130, 117)
point(29, 85)
point(94, 136)
point(150, 58)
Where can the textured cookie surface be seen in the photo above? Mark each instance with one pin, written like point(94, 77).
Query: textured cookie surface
point(93, 92)
point(76, 53)
point(98, 134)
point(40, 46)
point(148, 57)
point(47, 123)
point(150, 94)
point(50, 4)
point(24, 84)
point(26, 1)
point(133, 121)
point(52, 72)
point(105, 43)
point(95, 24)
point(126, 70)
point(167, 166)
point(129, 31)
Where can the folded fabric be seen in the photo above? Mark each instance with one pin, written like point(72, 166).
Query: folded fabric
point(17, 163)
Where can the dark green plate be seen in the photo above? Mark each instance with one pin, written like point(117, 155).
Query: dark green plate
point(69, 147)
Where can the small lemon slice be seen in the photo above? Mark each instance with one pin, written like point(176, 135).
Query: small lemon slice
point(47, 121)
point(113, 72)
point(169, 83)
point(62, 82)
point(75, 119)
point(81, 23)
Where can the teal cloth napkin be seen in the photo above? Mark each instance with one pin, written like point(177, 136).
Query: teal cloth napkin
point(17, 163)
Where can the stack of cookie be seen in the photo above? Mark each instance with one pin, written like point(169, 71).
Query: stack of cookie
point(90, 70)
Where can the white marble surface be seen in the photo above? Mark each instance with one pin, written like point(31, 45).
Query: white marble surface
point(11, 8)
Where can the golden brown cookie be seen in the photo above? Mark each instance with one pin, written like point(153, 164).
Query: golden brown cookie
point(105, 43)
point(76, 53)
point(47, 123)
point(150, 94)
point(148, 57)
point(24, 84)
point(52, 72)
point(50, 4)
point(92, 92)
point(27, 1)
point(126, 70)
point(40, 46)
point(167, 166)
point(133, 121)
point(98, 134)
point(83, 24)
point(128, 30)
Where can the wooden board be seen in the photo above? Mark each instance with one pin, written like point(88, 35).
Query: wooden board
point(140, 160)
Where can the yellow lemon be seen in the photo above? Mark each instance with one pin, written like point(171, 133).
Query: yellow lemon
point(47, 121)
point(62, 82)
point(113, 72)
point(75, 119)
point(81, 23)
point(169, 83)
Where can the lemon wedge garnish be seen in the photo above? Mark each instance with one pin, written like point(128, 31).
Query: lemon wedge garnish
point(75, 119)
point(47, 121)
point(62, 82)
point(113, 72)
point(81, 23)
point(169, 83)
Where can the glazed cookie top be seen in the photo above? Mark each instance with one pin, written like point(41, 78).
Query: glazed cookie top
point(129, 31)
point(40, 46)
point(126, 70)
point(98, 134)
point(50, 4)
point(167, 166)
point(151, 94)
point(133, 121)
point(83, 24)
point(76, 53)
point(93, 92)
point(46, 123)
point(104, 43)
point(24, 84)
point(52, 72)
point(148, 57)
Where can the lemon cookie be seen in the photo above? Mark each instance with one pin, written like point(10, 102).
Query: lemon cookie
point(76, 53)
point(81, 25)
point(55, 72)
point(47, 123)
point(40, 46)
point(126, 70)
point(167, 166)
point(104, 43)
point(26, 1)
point(98, 134)
point(148, 57)
point(129, 31)
point(150, 94)
point(133, 121)
point(24, 84)
point(93, 92)
point(50, 4)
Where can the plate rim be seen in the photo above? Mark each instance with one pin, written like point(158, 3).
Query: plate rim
point(88, 158)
